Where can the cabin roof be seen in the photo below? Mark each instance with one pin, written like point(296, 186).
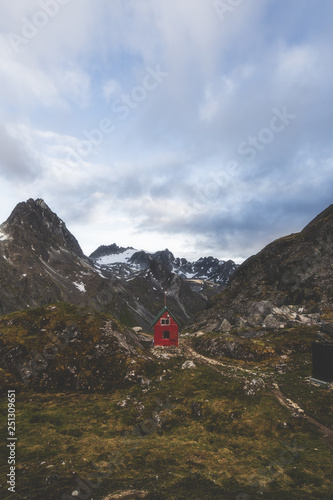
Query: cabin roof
point(162, 311)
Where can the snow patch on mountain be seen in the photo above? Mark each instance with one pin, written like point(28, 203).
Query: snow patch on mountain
point(3, 236)
point(80, 286)
point(118, 258)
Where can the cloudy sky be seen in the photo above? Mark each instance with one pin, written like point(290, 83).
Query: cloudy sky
point(198, 125)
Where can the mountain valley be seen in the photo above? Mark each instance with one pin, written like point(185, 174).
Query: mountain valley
point(101, 414)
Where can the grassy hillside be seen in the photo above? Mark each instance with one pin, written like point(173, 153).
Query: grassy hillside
point(164, 431)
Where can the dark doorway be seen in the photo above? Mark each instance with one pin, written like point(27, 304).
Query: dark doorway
point(322, 361)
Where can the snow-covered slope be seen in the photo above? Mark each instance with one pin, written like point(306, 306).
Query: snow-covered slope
point(117, 258)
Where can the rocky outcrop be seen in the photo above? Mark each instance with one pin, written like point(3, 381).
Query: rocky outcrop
point(233, 348)
point(252, 386)
point(188, 364)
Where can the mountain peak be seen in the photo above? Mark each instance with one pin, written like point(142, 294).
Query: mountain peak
point(33, 222)
point(24, 210)
point(40, 202)
point(106, 250)
point(322, 222)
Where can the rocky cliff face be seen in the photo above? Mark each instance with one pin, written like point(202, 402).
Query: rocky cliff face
point(289, 281)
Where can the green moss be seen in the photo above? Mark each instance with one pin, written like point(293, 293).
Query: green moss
point(236, 443)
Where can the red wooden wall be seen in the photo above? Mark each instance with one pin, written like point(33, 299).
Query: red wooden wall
point(161, 331)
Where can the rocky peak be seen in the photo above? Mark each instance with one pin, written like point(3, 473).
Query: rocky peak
point(41, 263)
point(32, 223)
point(165, 256)
point(141, 258)
point(144, 259)
point(105, 250)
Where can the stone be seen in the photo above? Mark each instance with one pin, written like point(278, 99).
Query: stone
point(145, 381)
point(255, 320)
point(199, 333)
point(225, 326)
point(251, 387)
point(271, 322)
point(188, 365)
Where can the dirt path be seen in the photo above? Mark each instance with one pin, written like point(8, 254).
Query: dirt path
point(191, 353)
point(326, 431)
point(284, 401)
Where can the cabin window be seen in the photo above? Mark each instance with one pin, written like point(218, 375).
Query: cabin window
point(166, 335)
point(165, 321)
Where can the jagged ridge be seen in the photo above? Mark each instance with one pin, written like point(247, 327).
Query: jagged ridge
point(128, 260)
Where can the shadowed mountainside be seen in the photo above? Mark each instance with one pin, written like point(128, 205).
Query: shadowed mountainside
point(289, 282)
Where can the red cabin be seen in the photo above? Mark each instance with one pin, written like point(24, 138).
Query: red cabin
point(165, 328)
